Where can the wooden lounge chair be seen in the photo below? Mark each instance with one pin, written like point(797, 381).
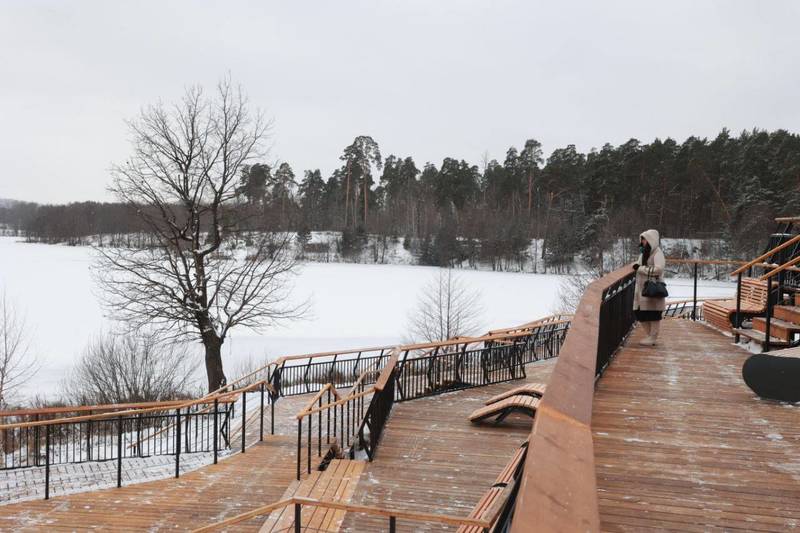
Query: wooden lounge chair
point(518, 403)
point(497, 490)
point(721, 313)
point(529, 389)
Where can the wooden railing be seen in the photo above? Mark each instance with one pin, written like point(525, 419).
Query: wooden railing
point(337, 420)
point(166, 429)
point(391, 515)
point(559, 488)
point(766, 255)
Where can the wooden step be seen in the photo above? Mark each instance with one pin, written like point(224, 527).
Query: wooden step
point(759, 337)
point(777, 327)
point(336, 483)
point(789, 313)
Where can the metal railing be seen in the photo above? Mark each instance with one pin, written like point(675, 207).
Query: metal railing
point(201, 426)
point(374, 420)
point(337, 421)
point(411, 372)
point(299, 375)
point(616, 319)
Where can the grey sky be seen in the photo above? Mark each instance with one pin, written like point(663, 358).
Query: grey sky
point(425, 78)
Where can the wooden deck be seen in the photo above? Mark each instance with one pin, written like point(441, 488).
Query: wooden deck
point(237, 484)
point(432, 459)
point(682, 444)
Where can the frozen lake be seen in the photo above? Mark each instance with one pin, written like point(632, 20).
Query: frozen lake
point(352, 305)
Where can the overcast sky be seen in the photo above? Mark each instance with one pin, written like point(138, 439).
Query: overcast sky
point(431, 79)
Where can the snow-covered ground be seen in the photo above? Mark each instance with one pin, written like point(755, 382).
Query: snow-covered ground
point(352, 305)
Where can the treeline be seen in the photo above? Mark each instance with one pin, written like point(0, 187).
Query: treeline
point(573, 205)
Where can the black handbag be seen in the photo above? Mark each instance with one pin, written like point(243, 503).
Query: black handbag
point(654, 288)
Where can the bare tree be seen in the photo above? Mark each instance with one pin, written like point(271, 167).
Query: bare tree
point(571, 289)
point(447, 308)
point(130, 368)
point(203, 276)
point(17, 364)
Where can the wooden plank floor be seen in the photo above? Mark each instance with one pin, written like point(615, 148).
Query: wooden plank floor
point(681, 443)
point(432, 459)
point(235, 485)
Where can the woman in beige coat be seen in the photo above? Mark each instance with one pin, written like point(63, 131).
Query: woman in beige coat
point(650, 265)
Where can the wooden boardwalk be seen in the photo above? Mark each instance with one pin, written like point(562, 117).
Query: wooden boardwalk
point(432, 459)
point(682, 444)
point(235, 485)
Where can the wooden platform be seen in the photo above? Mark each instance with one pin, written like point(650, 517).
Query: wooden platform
point(682, 444)
point(235, 485)
point(432, 459)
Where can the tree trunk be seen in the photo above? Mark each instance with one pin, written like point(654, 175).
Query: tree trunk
point(216, 376)
point(347, 194)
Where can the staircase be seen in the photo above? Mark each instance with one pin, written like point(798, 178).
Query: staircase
point(337, 483)
point(784, 327)
point(781, 278)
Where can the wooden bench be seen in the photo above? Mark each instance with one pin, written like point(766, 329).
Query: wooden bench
point(336, 483)
point(518, 403)
point(720, 313)
point(494, 497)
point(529, 389)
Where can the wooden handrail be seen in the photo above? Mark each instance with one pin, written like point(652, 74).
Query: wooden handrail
point(85, 408)
point(558, 490)
point(343, 401)
point(547, 321)
point(784, 220)
point(763, 256)
point(786, 266)
point(310, 405)
point(358, 382)
point(221, 392)
point(220, 397)
point(352, 508)
point(386, 373)
point(727, 262)
point(468, 340)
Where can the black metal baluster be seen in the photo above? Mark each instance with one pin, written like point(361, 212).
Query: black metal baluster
point(216, 430)
point(244, 417)
point(178, 442)
point(47, 463)
point(299, 438)
point(261, 422)
point(119, 451)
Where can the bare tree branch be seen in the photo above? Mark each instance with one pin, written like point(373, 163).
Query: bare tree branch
point(201, 278)
point(447, 308)
point(17, 364)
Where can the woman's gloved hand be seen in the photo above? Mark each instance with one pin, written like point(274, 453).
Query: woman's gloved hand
point(635, 267)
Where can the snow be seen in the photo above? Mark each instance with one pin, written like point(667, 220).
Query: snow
point(352, 305)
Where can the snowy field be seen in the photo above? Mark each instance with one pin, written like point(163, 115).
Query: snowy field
point(352, 305)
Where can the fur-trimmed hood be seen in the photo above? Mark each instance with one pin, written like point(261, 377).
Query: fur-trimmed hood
point(652, 238)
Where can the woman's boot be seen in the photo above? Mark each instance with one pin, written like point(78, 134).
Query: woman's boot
point(655, 327)
point(646, 328)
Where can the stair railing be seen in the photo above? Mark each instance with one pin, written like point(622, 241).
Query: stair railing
point(778, 287)
point(766, 255)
